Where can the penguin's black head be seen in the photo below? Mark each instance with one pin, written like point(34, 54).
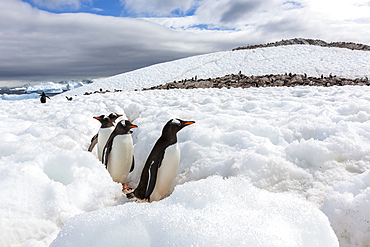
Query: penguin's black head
point(104, 120)
point(113, 116)
point(175, 125)
point(124, 126)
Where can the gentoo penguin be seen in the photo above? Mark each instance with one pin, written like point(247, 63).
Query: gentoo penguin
point(161, 166)
point(113, 116)
point(105, 123)
point(100, 139)
point(43, 97)
point(118, 153)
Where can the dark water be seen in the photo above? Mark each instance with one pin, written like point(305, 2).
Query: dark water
point(12, 91)
point(23, 91)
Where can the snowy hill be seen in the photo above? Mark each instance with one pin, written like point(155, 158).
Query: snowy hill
point(299, 59)
point(260, 167)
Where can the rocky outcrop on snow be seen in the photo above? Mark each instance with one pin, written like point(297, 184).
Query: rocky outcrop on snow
point(243, 81)
point(300, 41)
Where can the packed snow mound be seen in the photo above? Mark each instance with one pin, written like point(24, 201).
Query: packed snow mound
point(296, 59)
point(300, 141)
point(347, 207)
point(209, 212)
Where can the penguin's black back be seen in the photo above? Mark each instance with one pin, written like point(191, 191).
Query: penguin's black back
point(153, 163)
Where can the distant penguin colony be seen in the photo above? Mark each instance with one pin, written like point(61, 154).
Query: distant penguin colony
point(43, 97)
point(115, 150)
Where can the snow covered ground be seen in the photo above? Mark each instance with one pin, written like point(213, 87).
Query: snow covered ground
point(299, 59)
point(260, 167)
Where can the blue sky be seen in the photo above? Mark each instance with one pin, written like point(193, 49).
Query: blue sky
point(101, 7)
point(53, 40)
point(115, 8)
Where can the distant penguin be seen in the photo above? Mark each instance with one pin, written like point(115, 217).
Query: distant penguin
point(43, 97)
point(118, 153)
point(161, 166)
point(69, 98)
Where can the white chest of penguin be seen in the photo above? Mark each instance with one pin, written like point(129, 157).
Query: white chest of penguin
point(103, 136)
point(166, 172)
point(120, 157)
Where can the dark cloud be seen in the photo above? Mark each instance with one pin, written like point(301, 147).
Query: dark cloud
point(239, 10)
point(37, 45)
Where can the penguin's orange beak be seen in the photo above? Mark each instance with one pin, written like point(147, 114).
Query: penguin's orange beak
point(119, 115)
point(189, 122)
point(133, 126)
point(96, 117)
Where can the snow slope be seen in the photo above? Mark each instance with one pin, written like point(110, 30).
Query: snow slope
point(256, 168)
point(312, 60)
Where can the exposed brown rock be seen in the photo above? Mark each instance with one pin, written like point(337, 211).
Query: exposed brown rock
point(240, 80)
point(300, 41)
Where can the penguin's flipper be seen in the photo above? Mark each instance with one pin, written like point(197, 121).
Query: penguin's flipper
point(94, 141)
point(152, 179)
point(106, 151)
point(142, 190)
point(133, 164)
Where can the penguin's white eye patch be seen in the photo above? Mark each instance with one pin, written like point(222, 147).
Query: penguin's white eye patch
point(176, 121)
point(123, 123)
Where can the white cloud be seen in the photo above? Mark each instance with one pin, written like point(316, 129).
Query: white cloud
point(339, 10)
point(97, 10)
point(272, 20)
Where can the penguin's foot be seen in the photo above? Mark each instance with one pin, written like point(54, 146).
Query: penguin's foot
point(140, 200)
point(125, 187)
point(131, 196)
point(128, 191)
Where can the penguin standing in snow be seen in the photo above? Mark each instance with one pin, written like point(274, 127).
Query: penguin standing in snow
point(118, 153)
point(161, 166)
point(105, 123)
point(106, 128)
point(43, 97)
